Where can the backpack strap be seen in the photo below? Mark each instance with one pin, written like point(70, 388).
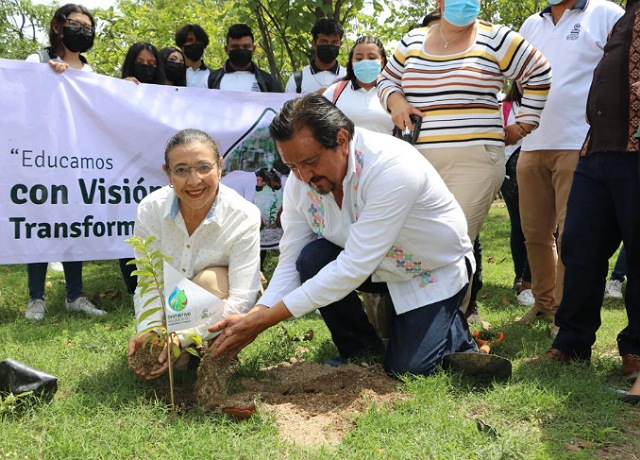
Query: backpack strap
point(339, 89)
point(44, 55)
point(297, 77)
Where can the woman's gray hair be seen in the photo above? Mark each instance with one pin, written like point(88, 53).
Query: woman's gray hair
point(186, 136)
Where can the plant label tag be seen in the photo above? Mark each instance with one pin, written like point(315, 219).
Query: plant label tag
point(187, 304)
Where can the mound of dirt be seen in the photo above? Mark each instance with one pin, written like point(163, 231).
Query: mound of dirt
point(316, 404)
point(311, 403)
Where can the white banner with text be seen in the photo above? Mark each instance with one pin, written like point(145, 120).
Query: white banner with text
point(82, 150)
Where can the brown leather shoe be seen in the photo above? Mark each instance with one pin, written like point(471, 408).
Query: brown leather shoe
point(630, 366)
point(557, 355)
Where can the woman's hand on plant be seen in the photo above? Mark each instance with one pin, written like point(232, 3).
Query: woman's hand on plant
point(162, 358)
point(401, 111)
point(135, 343)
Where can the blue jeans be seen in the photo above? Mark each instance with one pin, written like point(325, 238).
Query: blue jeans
point(603, 208)
point(419, 338)
point(37, 274)
point(620, 268)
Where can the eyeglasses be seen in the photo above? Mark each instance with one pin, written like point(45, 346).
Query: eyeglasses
point(76, 26)
point(185, 171)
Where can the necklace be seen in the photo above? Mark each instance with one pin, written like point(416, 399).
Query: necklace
point(446, 43)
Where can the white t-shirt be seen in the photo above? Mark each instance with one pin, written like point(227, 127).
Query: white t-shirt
point(398, 223)
point(36, 58)
point(363, 107)
point(313, 81)
point(239, 81)
point(573, 47)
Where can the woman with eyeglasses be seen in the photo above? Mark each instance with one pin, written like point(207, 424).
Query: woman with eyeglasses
point(71, 33)
point(205, 228)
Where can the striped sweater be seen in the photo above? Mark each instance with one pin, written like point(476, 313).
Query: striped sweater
point(458, 94)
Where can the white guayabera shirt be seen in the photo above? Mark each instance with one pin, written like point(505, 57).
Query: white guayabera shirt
point(398, 223)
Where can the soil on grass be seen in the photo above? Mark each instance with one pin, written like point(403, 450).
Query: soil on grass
point(317, 404)
point(311, 403)
point(211, 382)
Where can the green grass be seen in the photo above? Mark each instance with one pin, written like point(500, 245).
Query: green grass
point(101, 410)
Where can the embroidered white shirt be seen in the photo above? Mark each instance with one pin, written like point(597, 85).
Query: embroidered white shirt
point(398, 223)
point(228, 237)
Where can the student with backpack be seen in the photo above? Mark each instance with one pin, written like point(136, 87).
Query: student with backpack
point(324, 69)
point(356, 94)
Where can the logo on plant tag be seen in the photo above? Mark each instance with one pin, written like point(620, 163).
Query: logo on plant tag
point(178, 300)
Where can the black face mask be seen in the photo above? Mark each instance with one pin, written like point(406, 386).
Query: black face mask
point(75, 40)
point(327, 53)
point(240, 57)
point(144, 73)
point(175, 71)
point(194, 51)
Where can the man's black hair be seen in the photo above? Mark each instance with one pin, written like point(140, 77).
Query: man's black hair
point(198, 32)
point(315, 112)
point(238, 31)
point(327, 26)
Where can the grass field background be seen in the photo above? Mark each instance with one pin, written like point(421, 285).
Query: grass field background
point(101, 410)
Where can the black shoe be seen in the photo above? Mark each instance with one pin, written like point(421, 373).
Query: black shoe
point(630, 399)
point(480, 367)
point(336, 362)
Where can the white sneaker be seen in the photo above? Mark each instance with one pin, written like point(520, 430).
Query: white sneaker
point(82, 304)
point(526, 298)
point(613, 289)
point(56, 266)
point(35, 310)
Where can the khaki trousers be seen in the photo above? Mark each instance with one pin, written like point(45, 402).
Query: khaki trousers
point(544, 182)
point(474, 175)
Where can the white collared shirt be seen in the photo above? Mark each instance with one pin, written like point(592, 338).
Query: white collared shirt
point(398, 223)
point(573, 46)
point(228, 237)
point(313, 81)
point(363, 107)
point(240, 80)
point(198, 78)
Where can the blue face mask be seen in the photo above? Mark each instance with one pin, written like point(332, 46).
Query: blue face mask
point(461, 12)
point(555, 2)
point(367, 70)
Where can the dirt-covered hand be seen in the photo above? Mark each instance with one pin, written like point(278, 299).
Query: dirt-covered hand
point(236, 332)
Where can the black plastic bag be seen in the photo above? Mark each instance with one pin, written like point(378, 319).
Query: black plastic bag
point(17, 377)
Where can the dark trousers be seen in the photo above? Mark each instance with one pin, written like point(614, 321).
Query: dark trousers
point(603, 208)
point(620, 268)
point(131, 281)
point(509, 192)
point(419, 338)
point(37, 274)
